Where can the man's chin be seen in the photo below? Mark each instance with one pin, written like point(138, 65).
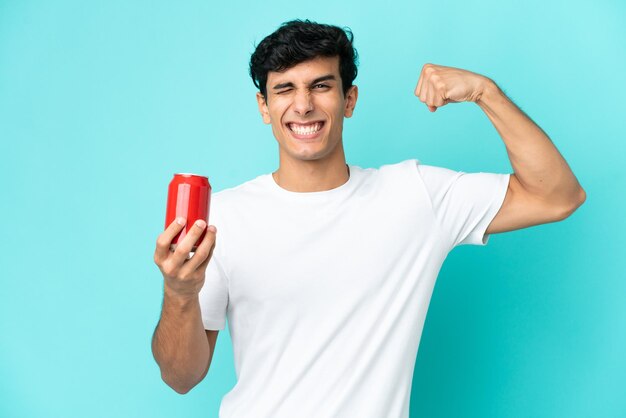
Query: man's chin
point(306, 153)
point(313, 157)
point(306, 156)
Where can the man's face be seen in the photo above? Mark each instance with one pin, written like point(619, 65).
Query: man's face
point(306, 107)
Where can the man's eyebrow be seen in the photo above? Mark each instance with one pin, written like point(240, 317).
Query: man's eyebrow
point(323, 78)
point(317, 80)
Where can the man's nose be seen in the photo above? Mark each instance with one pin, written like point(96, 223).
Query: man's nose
point(303, 102)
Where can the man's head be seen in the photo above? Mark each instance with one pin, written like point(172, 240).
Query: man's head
point(298, 41)
point(304, 72)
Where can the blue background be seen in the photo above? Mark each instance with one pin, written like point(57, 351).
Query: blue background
point(101, 102)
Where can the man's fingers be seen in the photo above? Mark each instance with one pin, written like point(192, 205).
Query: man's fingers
point(422, 94)
point(203, 253)
point(185, 246)
point(430, 101)
point(427, 93)
point(165, 239)
point(419, 85)
point(205, 263)
point(423, 80)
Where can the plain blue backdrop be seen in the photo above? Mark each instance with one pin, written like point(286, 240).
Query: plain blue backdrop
point(101, 102)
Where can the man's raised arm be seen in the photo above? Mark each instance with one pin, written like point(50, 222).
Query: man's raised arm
point(542, 188)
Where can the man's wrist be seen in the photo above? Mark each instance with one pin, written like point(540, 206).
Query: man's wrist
point(177, 299)
point(490, 92)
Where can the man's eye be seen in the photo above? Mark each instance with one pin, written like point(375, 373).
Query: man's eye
point(320, 86)
point(283, 91)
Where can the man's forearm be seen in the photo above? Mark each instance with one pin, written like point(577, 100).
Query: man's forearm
point(538, 165)
point(179, 343)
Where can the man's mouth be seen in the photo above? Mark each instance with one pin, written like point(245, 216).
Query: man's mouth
point(305, 130)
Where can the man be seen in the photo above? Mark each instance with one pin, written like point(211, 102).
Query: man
point(325, 270)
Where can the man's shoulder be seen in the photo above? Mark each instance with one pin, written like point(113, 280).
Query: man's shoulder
point(244, 190)
point(409, 164)
point(390, 170)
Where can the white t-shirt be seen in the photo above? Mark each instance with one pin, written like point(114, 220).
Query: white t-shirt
point(326, 292)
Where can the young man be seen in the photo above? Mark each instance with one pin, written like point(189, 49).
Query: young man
point(325, 270)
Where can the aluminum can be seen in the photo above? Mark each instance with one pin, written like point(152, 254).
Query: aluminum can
point(189, 196)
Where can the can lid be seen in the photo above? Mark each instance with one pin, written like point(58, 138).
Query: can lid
point(190, 175)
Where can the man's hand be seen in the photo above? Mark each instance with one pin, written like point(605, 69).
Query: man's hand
point(439, 85)
point(184, 277)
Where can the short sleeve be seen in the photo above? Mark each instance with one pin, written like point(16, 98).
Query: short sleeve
point(214, 296)
point(464, 203)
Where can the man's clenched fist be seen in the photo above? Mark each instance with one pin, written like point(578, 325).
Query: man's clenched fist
point(439, 85)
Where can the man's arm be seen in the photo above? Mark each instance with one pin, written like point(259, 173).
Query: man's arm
point(542, 188)
point(180, 345)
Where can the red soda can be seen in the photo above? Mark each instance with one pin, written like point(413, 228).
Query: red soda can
point(189, 196)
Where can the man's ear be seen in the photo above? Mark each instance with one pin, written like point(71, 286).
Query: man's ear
point(351, 95)
point(265, 113)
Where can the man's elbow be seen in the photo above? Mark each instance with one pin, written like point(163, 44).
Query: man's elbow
point(178, 387)
point(567, 211)
point(181, 391)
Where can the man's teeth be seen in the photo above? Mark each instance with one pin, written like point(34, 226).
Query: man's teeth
point(305, 129)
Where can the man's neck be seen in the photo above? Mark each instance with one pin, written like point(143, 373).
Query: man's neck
point(312, 176)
